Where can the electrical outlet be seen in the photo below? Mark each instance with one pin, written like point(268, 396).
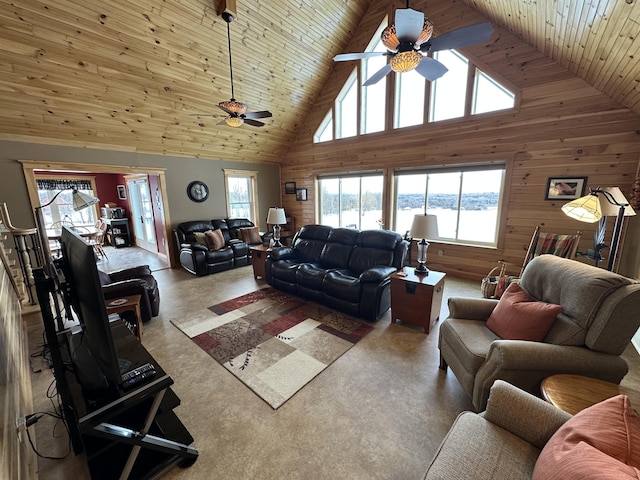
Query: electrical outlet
point(440, 253)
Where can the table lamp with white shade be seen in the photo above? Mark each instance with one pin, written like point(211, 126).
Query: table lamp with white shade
point(276, 217)
point(423, 227)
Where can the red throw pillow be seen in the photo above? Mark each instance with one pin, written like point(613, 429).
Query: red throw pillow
point(602, 441)
point(518, 317)
point(215, 239)
point(250, 235)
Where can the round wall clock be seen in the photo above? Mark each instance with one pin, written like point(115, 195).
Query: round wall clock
point(198, 191)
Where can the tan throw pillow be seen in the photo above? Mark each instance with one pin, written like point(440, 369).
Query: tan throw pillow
point(602, 441)
point(215, 239)
point(250, 235)
point(200, 238)
point(518, 317)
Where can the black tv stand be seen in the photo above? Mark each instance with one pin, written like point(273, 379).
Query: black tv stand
point(134, 434)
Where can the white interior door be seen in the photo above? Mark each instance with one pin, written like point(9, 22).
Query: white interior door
point(142, 213)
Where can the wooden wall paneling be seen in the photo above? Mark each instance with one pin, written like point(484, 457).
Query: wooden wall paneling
point(563, 127)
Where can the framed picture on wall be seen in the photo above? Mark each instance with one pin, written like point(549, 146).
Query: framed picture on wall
point(290, 187)
point(301, 194)
point(122, 192)
point(565, 188)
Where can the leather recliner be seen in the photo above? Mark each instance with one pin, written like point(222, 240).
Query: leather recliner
point(343, 268)
point(197, 258)
point(133, 281)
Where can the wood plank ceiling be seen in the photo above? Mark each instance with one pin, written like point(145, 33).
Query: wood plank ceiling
point(128, 75)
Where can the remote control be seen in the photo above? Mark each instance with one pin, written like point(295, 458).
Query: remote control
point(137, 375)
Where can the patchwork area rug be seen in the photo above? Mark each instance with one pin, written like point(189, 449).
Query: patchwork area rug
point(273, 342)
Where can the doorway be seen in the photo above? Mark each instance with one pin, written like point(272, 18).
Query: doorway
point(142, 212)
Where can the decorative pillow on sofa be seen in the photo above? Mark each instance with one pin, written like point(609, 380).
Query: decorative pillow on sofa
point(250, 235)
point(215, 239)
point(200, 238)
point(518, 317)
point(602, 441)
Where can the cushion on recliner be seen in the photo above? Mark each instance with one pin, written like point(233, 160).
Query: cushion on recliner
point(215, 239)
point(601, 441)
point(250, 235)
point(518, 317)
point(310, 275)
point(341, 285)
point(337, 251)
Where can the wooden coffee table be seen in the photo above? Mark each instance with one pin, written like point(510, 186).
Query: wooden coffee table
point(125, 304)
point(573, 393)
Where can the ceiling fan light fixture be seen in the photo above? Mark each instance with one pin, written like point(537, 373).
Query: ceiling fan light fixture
point(405, 61)
point(425, 35)
point(234, 106)
point(389, 38)
point(234, 121)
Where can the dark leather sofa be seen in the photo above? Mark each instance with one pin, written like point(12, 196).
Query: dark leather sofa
point(133, 281)
point(345, 269)
point(199, 259)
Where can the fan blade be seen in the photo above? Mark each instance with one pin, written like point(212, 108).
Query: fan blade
point(222, 122)
point(261, 114)
point(409, 24)
point(356, 56)
point(379, 75)
point(226, 110)
point(252, 122)
point(431, 69)
point(463, 37)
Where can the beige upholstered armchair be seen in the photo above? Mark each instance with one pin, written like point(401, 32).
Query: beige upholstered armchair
point(601, 312)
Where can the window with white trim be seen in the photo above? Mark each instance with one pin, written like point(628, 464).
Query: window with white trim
point(242, 194)
point(351, 201)
point(61, 210)
point(466, 201)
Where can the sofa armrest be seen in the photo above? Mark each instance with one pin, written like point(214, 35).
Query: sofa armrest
point(195, 247)
point(283, 253)
point(471, 308)
point(377, 274)
point(133, 272)
point(522, 414)
point(526, 364)
point(124, 288)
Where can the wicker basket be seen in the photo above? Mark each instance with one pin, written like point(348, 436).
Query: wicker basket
point(489, 284)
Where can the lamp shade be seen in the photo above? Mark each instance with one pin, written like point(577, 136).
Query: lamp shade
point(424, 227)
point(584, 209)
point(83, 200)
point(611, 210)
point(276, 216)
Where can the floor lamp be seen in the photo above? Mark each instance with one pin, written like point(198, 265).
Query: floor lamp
point(590, 209)
point(80, 202)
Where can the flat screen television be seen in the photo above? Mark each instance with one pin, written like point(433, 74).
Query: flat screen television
point(94, 354)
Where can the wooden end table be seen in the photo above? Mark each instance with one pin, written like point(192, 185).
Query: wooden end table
point(258, 255)
point(573, 393)
point(416, 298)
point(131, 303)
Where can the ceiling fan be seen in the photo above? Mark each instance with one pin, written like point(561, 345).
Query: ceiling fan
point(409, 40)
point(236, 111)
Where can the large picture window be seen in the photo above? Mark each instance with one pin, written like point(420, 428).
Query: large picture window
point(352, 201)
point(466, 201)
